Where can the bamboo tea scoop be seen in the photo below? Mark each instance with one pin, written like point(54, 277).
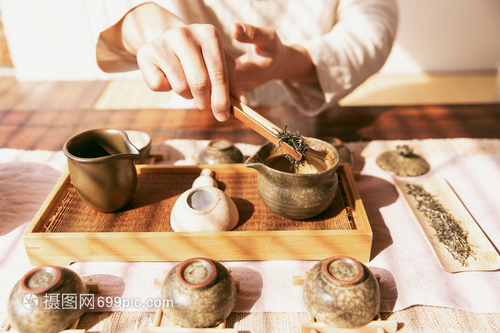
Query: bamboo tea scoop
point(262, 126)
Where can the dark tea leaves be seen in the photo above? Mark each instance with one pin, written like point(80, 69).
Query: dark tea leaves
point(448, 230)
point(296, 141)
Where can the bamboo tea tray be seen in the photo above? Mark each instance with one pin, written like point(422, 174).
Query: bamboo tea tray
point(65, 230)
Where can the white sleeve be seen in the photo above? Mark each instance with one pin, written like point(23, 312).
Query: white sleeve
point(355, 48)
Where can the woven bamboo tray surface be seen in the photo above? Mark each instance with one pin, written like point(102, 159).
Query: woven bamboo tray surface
point(149, 210)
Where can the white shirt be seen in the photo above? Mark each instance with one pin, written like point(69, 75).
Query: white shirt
point(348, 40)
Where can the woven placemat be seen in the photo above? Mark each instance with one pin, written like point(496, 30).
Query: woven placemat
point(149, 210)
point(425, 319)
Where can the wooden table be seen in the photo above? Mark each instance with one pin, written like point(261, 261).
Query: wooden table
point(43, 115)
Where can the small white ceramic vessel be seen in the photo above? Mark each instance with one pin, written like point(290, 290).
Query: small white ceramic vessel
point(205, 179)
point(204, 209)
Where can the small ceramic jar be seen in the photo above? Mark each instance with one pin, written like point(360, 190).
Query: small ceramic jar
point(46, 299)
point(202, 291)
point(342, 292)
point(220, 152)
point(204, 209)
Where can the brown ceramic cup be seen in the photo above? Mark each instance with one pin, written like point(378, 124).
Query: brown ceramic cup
point(342, 292)
point(202, 291)
point(46, 299)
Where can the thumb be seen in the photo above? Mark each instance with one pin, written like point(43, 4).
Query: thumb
point(262, 38)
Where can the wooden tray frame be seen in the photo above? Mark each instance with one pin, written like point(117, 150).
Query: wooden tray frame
point(53, 248)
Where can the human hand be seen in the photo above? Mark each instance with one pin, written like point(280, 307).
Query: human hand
point(191, 61)
point(269, 58)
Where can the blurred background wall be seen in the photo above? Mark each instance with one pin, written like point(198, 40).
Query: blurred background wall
point(54, 39)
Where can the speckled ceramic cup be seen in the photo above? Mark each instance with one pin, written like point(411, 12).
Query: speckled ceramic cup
point(342, 292)
point(220, 152)
point(202, 291)
point(36, 302)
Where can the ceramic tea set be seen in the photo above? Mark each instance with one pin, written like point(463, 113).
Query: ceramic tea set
point(338, 291)
point(101, 165)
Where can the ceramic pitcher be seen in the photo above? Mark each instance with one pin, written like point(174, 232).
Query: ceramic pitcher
point(297, 195)
point(102, 169)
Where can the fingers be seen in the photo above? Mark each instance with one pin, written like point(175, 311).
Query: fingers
point(162, 70)
point(235, 87)
point(262, 37)
point(191, 61)
point(217, 70)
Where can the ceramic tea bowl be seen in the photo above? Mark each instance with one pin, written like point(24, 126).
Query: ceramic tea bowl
point(297, 193)
point(102, 169)
point(204, 208)
point(341, 292)
point(36, 302)
point(220, 152)
point(203, 293)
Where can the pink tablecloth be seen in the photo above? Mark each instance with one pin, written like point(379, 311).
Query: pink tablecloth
point(409, 272)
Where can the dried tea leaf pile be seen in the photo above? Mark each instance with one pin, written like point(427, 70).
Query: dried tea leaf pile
point(448, 230)
point(296, 141)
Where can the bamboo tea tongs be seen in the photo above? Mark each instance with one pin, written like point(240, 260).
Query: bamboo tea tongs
point(262, 126)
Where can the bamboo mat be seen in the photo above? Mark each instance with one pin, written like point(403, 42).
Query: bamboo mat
point(157, 193)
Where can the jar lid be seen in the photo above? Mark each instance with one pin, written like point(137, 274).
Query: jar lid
point(403, 162)
point(41, 279)
point(342, 270)
point(196, 273)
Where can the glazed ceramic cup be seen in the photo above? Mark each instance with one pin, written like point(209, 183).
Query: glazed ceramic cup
point(220, 152)
point(36, 302)
point(342, 292)
point(102, 169)
point(202, 291)
point(294, 195)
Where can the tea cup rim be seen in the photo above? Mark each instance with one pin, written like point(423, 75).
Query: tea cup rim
point(73, 157)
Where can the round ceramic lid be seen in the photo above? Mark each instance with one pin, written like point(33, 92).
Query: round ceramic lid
point(403, 162)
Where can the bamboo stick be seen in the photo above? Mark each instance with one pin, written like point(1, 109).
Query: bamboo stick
point(261, 125)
